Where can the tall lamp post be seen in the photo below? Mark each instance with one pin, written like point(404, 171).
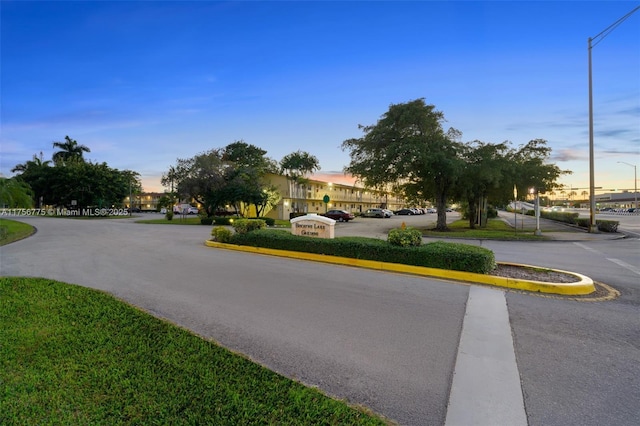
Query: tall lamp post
point(635, 182)
point(592, 192)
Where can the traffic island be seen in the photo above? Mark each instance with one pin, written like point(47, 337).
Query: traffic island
point(581, 286)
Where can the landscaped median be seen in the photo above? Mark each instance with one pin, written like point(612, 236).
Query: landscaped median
point(583, 285)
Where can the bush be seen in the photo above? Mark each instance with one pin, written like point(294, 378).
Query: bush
point(221, 234)
point(206, 220)
point(268, 220)
point(442, 255)
point(565, 217)
point(219, 220)
point(169, 215)
point(607, 225)
point(602, 225)
point(405, 237)
point(243, 226)
point(492, 212)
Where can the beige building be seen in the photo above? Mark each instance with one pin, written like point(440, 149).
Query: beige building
point(145, 201)
point(301, 198)
point(309, 197)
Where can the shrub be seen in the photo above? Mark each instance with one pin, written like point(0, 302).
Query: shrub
point(169, 215)
point(492, 212)
point(219, 220)
point(206, 221)
point(443, 255)
point(607, 225)
point(565, 217)
point(243, 226)
point(602, 225)
point(221, 234)
point(268, 220)
point(405, 237)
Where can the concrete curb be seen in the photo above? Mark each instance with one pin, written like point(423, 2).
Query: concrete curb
point(583, 286)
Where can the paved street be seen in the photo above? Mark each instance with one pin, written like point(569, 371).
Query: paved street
point(395, 343)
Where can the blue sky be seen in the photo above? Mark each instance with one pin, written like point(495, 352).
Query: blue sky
point(143, 83)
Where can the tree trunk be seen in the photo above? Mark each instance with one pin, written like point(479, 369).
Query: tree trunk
point(441, 206)
point(473, 212)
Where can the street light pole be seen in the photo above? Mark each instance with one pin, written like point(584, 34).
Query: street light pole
point(592, 191)
point(635, 182)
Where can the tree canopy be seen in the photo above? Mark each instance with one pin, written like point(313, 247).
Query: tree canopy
point(408, 149)
point(69, 151)
point(71, 178)
point(232, 175)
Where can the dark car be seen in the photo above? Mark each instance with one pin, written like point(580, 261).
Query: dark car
point(404, 212)
point(339, 215)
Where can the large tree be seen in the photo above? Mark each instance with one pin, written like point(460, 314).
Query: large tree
point(70, 150)
point(531, 169)
point(486, 167)
point(36, 173)
point(244, 155)
point(409, 149)
point(201, 177)
point(15, 193)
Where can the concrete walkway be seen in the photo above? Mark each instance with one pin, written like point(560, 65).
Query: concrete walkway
point(554, 230)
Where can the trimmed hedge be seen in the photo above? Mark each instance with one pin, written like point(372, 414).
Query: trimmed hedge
point(442, 255)
point(602, 225)
point(221, 234)
point(222, 220)
point(243, 226)
point(574, 219)
point(405, 237)
point(565, 217)
point(269, 220)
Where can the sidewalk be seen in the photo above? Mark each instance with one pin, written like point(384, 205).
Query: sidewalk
point(554, 230)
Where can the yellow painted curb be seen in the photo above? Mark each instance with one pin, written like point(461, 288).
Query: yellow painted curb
point(584, 286)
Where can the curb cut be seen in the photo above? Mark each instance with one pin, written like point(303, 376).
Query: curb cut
point(583, 286)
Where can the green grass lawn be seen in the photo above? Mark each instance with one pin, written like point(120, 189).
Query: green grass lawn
point(73, 355)
point(496, 229)
point(11, 230)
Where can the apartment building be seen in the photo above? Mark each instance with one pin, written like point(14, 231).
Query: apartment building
point(307, 197)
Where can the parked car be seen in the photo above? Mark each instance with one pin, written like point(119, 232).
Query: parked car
point(339, 215)
point(376, 213)
point(404, 212)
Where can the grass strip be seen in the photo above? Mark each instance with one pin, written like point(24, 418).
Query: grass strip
point(496, 229)
point(11, 230)
point(72, 355)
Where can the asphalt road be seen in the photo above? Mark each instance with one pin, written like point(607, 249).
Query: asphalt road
point(383, 340)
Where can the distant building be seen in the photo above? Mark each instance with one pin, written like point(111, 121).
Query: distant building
point(145, 201)
point(617, 200)
point(307, 197)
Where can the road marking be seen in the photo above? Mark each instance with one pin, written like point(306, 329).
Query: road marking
point(486, 387)
point(587, 248)
point(618, 262)
point(625, 265)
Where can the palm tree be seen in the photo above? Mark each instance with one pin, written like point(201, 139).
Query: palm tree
point(585, 194)
point(36, 163)
point(69, 150)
